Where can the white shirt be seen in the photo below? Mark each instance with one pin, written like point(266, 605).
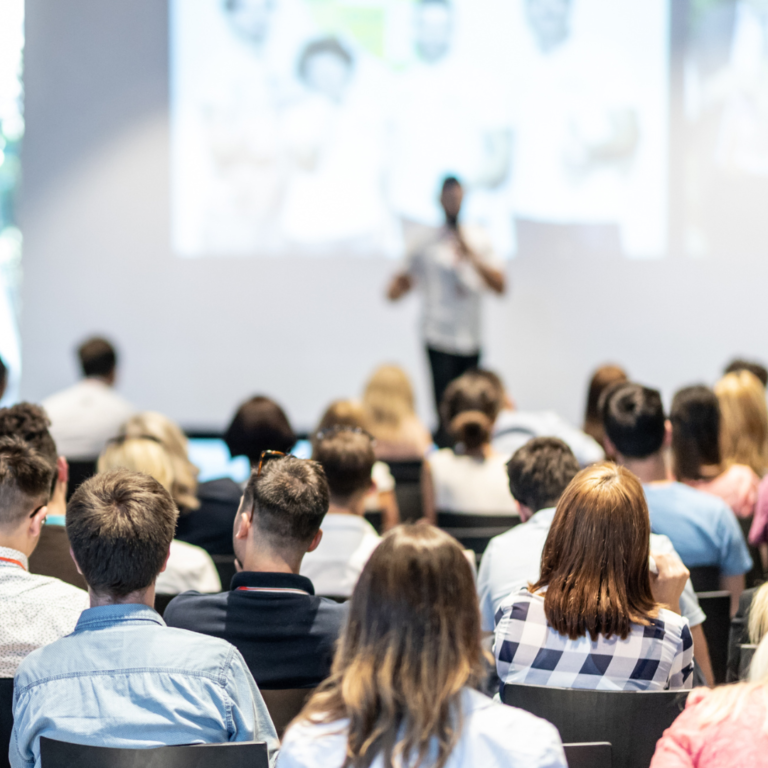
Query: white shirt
point(492, 736)
point(189, 567)
point(335, 566)
point(451, 288)
point(469, 484)
point(85, 416)
point(34, 610)
point(512, 561)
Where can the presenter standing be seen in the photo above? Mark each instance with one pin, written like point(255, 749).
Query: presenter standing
point(452, 267)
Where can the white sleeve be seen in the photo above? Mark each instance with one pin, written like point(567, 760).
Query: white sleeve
point(382, 477)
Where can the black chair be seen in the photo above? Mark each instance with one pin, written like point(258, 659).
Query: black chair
point(705, 578)
point(283, 705)
point(79, 472)
point(407, 475)
point(717, 606)
point(376, 519)
point(475, 531)
point(631, 722)
point(746, 652)
point(161, 602)
point(246, 754)
point(594, 754)
point(6, 718)
point(225, 565)
point(754, 577)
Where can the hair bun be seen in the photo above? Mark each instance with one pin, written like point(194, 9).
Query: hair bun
point(472, 428)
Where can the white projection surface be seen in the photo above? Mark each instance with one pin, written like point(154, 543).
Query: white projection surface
point(326, 126)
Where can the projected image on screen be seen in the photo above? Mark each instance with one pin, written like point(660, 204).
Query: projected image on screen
point(326, 126)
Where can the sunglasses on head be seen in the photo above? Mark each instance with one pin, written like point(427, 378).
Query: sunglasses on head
point(267, 456)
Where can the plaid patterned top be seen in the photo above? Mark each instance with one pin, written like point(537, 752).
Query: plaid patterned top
point(652, 658)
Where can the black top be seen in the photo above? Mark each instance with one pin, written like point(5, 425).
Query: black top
point(286, 634)
point(210, 526)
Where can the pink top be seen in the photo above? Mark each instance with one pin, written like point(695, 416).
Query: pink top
point(731, 742)
point(758, 533)
point(737, 487)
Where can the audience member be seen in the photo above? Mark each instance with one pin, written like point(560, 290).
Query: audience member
point(722, 727)
point(702, 527)
point(696, 454)
point(350, 413)
point(747, 365)
point(471, 477)
point(158, 685)
point(188, 567)
point(389, 404)
point(539, 473)
point(51, 556)
point(514, 428)
point(84, 416)
point(271, 614)
point(259, 425)
point(404, 675)
point(561, 631)
point(36, 610)
point(346, 455)
point(603, 377)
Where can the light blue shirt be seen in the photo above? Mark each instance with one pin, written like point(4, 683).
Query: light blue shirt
point(702, 527)
point(125, 679)
point(512, 560)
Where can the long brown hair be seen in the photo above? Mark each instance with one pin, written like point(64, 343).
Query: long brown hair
point(595, 560)
point(410, 645)
point(603, 377)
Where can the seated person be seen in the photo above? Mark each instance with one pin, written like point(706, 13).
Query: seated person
point(560, 632)
point(470, 477)
point(36, 610)
point(51, 556)
point(748, 627)
point(84, 416)
point(514, 428)
point(405, 673)
point(604, 377)
point(334, 566)
point(701, 527)
point(539, 473)
point(271, 614)
point(720, 727)
point(755, 368)
point(123, 678)
point(188, 567)
point(697, 456)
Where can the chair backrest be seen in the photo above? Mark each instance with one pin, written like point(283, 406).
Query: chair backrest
point(225, 565)
point(79, 472)
point(161, 602)
point(754, 577)
point(284, 705)
point(632, 722)
point(244, 754)
point(6, 718)
point(717, 606)
point(746, 652)
point(376, 519)
point(464, 520)
point(705, 578)
point(593, 754)
point(407, 475)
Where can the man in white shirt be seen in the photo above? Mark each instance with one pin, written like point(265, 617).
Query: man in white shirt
point(452, 267)
point(539, 473)
point(84, 416)
point(34, 610)
point(348, 540)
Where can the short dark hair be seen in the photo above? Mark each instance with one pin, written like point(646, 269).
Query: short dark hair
point(633, 417)
point(289, 499)
point(120, 525)
point(540, 471)
point(450, 181)
point(259, 425)
point(347, 458)
point(695, 418)
point(25, 478)
point(323, 45)
point(97, 357)
point(30, 423)
point(749, 365)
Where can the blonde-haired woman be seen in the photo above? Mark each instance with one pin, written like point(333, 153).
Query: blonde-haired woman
point(389, 404)
point(401, 688)
point(725, 726)
point(189, 567)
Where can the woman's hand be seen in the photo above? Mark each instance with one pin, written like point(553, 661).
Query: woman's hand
point(668, 584)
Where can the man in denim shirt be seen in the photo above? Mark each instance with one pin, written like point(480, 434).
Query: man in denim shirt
point(122, 678)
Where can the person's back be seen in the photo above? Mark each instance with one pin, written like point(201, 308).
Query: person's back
point(285, 633)
point(122, 678)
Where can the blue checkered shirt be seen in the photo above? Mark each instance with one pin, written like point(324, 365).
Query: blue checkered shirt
point(652, 658)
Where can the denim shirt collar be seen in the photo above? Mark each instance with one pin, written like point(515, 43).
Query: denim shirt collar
point(110, 615)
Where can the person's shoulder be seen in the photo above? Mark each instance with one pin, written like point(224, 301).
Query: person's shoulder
point(442, 457)
point(62, 397)
point(220, 489)
point(195, 650)
point(185, 609)
point(313, 743)
point(686, 498)
point(674, 622)
point(58, 590)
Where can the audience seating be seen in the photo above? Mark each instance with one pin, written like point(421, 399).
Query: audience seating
point(631, 722)
point(407, 475)
point(161, 602)
point(705, 578)
point(79, 472)
point(225, 565)
point(60, 754)
point(746, 652)
point(717, 606)
point(6, 718)
point(754, 577)
point(284, 705)
point(475, 531)
point(595, 754)
point(376, 520)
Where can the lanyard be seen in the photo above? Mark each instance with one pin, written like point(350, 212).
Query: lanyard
point(13, 562)
point(274, 589)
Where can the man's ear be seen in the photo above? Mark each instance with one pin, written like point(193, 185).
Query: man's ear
point(74, 560)
point(667, 434)
point(315, 543)
point(36, 523)
point(165, 562)
point(62, 470)
point(526, 513)
point(243, 521)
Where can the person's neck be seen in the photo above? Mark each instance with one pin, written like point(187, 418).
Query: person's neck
point(265, 560)
point(19, 543)
point(354, 505)
point(651, 469)
point(139, 597)
point(484, 451)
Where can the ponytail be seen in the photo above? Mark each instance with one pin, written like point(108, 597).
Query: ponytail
point(472, 428)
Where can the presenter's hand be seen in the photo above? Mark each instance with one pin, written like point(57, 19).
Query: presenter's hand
point(400, 285)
